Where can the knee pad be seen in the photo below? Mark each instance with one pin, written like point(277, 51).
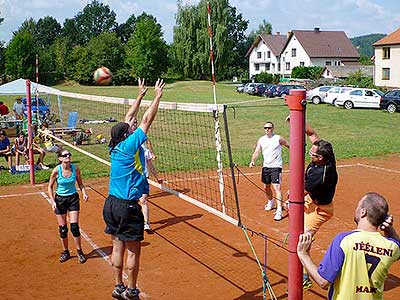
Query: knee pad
point(63, 231)
point(75, 230)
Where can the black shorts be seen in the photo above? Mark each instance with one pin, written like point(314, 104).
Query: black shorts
point(123, 218)
point(66, 203)
point(271, 175)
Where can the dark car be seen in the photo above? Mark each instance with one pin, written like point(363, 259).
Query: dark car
point(391, 101)
point(260, 89)
point(270, 91)
point(38, 105)
point(283, 89)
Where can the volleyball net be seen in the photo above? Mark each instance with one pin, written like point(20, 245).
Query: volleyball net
point(190, 141)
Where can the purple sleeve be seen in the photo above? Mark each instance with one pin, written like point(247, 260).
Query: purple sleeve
point(331, 264)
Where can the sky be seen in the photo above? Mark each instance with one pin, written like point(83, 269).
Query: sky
point(355, 17)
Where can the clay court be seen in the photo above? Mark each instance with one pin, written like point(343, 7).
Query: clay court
point(192, 253)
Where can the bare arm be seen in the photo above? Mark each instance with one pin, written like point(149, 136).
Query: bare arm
point(150, 146)
point(50, 191)
point(151, 112)
point(303, 252)
point(255, 155)
point(284, 142)
point(80, 183)
point(153, 171)
point(312, 134)
point(388, 229)
point(133, 110)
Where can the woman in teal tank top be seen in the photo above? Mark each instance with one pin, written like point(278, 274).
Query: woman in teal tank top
point(66, 200)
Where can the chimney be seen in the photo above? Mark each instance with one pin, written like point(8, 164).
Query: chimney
point(288, 33)
point(316, 29)
point(278, 33)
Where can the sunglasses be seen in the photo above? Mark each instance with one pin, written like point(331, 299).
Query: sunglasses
point(314, 154)
point(267, 127)
point(66, 155)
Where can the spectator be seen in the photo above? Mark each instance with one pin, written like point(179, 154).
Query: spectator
point(3, 109)
point(18, 109)
point(21, 148)
point(5, 149)
point(357, 262)
point(270, 144)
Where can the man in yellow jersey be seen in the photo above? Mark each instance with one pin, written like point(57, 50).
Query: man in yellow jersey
point(357, 262)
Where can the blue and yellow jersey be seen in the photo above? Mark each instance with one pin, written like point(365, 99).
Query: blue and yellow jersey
point(127, 161)
point(356, 264)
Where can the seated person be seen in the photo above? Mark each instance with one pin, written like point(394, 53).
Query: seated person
point(3, 109)
point(82, 136)
point(5, 149)
point(49, 145)
point(42, 153)
point(20, 148)
point(18, 109)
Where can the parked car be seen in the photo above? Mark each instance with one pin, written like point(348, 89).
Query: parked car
point(259, 89)
point(318, 94)
point(38, 105)
point(270, 91)
point(241, 88)
point(358, 97)
point(251, 88)
point(391, 101)
point(333, 93)
point(283, 89)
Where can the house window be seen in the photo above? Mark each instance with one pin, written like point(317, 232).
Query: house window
point(337, 63)
point(385, 73)
point(386, 53)
point(258, 54)
point(328, 73)
point(279, 67)
point(293, 52)
point(328, 63)
point(268, 54)
point(302, 64)
point(287, 66)
point(268, 66)
point(257, 67)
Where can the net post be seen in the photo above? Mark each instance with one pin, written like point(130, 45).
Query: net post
point(231, 164)
point(29, 113)
point(297, 105)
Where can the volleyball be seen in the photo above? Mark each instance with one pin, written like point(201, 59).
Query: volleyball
point(102, 76)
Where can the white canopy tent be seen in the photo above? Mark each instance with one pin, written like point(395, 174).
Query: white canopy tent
point(18, 87)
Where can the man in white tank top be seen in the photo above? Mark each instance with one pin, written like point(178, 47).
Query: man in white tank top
point(270, 146)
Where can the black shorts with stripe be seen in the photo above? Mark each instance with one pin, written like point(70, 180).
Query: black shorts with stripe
point(271, 175)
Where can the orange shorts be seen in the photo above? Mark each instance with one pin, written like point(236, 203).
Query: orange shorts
point(316, 215)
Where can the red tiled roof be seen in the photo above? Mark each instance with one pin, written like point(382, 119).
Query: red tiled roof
point(275, 42)
point(325, 43)
point(393, 38)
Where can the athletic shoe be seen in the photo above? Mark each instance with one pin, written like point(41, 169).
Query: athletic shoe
point(278, 214)
point(147, 227)
point(118, 290)
point(64, 256)
point(81, 256)
point(307, 283)
point(269, 205)
point(130, 294)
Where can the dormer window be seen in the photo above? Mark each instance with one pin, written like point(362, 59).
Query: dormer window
point(293, 52)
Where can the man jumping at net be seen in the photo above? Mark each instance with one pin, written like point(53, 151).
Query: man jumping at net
point(122, 212)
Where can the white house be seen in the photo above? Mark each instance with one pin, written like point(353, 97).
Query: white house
point(264, 54)
point(317, 48)
point(387, 60)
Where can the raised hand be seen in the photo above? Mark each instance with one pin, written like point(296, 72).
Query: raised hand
point(158, 88)
point(142, 87)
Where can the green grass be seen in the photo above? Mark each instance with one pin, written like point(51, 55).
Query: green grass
point(353, 133)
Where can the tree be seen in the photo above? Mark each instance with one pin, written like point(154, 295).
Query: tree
point(191, 40)
point(125, 30)
point(70, 32)
point(95, 19)
point(20, 56)
point(28, 25)
point(147, 51)
point(47, 30)
point(2, 49)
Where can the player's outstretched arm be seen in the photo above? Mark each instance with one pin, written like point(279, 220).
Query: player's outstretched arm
point(131, 115)
point(151, 112)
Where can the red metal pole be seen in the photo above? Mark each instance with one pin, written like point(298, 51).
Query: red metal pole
point(30, 138)
point(297, 105)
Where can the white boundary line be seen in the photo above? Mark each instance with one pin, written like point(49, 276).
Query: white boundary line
point(379, 168)
point(94, 245)
point(19, 195)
